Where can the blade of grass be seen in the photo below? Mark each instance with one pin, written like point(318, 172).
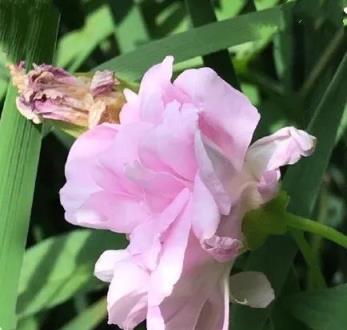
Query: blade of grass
point(302, 183)
point(75, 47)
point(202, 12)
point(131, 30)
point(199, 41)
point(28, 31)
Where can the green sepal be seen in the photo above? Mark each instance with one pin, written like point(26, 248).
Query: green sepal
point(260, 223)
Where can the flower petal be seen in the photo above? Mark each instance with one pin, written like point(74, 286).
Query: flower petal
point(206, 215)
point(127, 295)
point(79, 169)
point(158, 151)
point(199, 286)
point(215, 313)
point(284, 147)
point(170, 264)
point(106, 263)
point(227, 116)
point(104, 210)
point(252, 289)
point(215, 171)
point(145, 239)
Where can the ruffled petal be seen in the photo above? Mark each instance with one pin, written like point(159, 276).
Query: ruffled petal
point(206, 215)
point(171, 260)
point(145, 240)
point(284, 147)
point(106, 263)
point(215, 312)
point(127, 295)
point(82, 159)
point(200, 287)
point(226, 116)
point(159, 150)
point(104, 210)
point(215, 171)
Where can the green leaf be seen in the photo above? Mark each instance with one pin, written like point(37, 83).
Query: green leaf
point(29, 323)
point(57, 268)
point(89, 318)
point(27, 31)
point(131, 30)
point(323, 309)
point(75, 47)
point(302, 182)
point(196, 42)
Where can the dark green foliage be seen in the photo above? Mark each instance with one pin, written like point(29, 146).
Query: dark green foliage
point(289, 58)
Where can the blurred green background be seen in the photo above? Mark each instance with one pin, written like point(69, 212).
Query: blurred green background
point(285, 69)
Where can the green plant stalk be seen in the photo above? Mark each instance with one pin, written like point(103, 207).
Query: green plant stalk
point(317, 228)
point(311, 259)
point(28, 31)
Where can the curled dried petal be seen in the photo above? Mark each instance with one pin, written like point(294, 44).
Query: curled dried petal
point(48, 92)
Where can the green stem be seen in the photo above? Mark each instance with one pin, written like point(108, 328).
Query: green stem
point(317, 228)
point(310, 257)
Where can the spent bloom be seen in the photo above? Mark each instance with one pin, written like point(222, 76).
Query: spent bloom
point(177, 175)
point(47, 92)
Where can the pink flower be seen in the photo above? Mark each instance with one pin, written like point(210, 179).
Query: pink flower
point(177, 176)
point(47, 92)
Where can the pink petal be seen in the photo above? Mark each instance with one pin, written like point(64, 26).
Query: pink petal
point(200, 284)
point(215, 313)
point(106, 263)
point(145, 240)
point(127, 295)
point(215, 171)
point(80, 165)
point(227, 116)
point(170, 264)
point(104, 210)
point(206, 215)
point(159, 149)
point(267, 155)
point(155, 88)
point(159, 188)
point(284, 147)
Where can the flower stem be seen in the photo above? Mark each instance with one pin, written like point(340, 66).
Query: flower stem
point(317, 228)
point(310, 257)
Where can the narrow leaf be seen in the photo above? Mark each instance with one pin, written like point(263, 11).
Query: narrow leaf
point(323, 309)
point(202, 12)
point(196, 42)
point(27, 31)
point(57, 268)
point(89, 318)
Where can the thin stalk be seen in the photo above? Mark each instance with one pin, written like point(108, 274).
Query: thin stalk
point(310, 257)
point(317, 228)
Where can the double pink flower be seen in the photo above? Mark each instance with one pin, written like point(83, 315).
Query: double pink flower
point(177, 176)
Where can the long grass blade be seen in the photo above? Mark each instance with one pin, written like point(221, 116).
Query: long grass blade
point(202, 12)
point(199, 41)
point(28, 31)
